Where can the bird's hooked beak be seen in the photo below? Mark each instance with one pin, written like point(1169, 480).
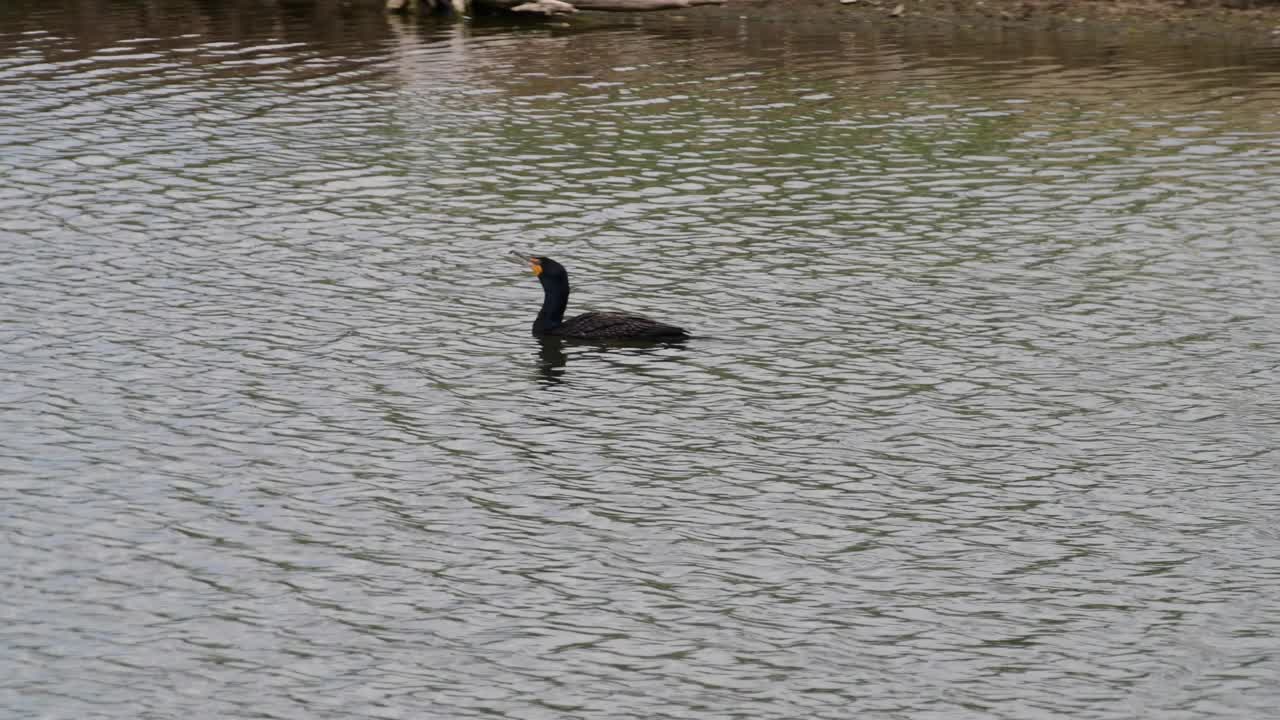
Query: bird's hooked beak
point(534, 263)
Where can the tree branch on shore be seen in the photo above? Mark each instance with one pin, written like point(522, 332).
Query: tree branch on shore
point(548, 7)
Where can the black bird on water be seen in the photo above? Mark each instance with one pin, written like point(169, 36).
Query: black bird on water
point(588, 326)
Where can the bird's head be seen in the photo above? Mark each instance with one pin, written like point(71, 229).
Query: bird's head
point(543, 267)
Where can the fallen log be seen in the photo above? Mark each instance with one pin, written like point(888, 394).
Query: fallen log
point(547, 7)
point(639, 5)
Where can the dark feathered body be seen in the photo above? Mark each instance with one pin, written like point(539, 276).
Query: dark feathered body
point(614, 326)
point(592, 325)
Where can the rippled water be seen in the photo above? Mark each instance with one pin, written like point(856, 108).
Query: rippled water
point(981, 420)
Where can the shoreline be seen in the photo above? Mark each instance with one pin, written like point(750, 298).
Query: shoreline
point(1257, 26)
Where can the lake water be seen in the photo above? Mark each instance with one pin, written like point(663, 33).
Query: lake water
point(981, 420)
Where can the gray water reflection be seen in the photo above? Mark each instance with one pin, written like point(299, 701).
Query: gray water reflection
point(978, 422)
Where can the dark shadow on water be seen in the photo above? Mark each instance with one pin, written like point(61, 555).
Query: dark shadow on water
point(551, 360)
point(554, 353)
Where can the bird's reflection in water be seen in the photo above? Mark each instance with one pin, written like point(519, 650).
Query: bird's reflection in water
point(553, 360)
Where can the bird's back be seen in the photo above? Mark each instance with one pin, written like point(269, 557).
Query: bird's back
point(617, 326)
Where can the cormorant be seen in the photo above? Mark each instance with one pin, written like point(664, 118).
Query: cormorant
point(588, 326)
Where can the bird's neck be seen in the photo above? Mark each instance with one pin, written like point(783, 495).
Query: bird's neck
point(554, 302)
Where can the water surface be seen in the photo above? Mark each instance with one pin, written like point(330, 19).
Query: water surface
point(980, 421)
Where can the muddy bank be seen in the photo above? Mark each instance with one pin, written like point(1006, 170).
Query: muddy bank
point(1238, 21)
point(1250, 22)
